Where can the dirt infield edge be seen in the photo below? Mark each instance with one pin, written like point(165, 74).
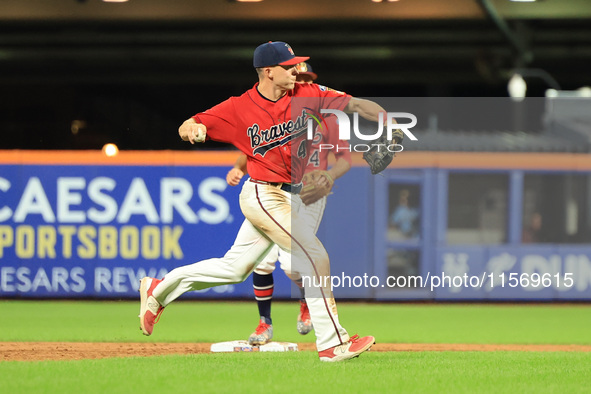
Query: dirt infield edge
point(43, 351)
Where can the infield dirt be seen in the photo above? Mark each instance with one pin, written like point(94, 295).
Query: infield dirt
point(42, 351)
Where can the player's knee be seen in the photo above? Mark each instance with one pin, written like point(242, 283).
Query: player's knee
point(239, 277)
point(294, 276)
point(263, 272)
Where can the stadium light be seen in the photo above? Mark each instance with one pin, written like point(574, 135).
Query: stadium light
point(517, 86)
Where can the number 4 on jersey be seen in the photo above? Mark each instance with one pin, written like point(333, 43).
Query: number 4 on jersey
point(302, 150)
point(314, 158)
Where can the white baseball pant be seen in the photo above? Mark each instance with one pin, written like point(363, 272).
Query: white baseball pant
point(311, 216)
point(269, 221)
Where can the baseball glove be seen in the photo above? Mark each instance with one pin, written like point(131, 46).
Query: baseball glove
point(317, 184)
point(379, 156)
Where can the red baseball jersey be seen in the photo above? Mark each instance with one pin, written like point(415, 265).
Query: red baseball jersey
point(272, 134)
point(328, 134)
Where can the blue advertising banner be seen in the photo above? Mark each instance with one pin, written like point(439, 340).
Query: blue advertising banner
point(95, 231)
point(93, 228)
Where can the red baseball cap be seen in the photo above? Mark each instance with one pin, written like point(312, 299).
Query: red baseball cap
point(276, 53)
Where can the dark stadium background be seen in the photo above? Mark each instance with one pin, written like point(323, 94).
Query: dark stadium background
point(75, 74)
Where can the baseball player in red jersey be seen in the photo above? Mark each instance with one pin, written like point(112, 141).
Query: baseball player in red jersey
point(313, 210)
point(260, 124)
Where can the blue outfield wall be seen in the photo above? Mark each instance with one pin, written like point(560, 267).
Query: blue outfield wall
point(551, 272)
point(94, 231)
point(354, 232)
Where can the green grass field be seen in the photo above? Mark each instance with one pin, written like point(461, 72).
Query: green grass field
point(301, 371)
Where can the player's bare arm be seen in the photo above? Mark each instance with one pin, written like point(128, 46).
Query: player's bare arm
point(237, 172)
point(339, 169)
point(192, 131)
point(367, 109)
point(371, 111)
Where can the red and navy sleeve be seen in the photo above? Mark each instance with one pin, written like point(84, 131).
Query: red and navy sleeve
point(331, 98)
point(220, 121)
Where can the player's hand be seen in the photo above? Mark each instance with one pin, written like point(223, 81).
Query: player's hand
point(234, 176)
point(317, 184)
point(192, 131)
point(323, 181)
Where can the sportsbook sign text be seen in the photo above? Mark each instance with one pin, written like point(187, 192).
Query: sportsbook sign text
point(47, 229)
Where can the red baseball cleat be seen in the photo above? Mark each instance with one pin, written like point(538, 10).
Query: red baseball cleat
point(150, 308)
point(262, 335)
point(347, 350)
point(304, 321)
